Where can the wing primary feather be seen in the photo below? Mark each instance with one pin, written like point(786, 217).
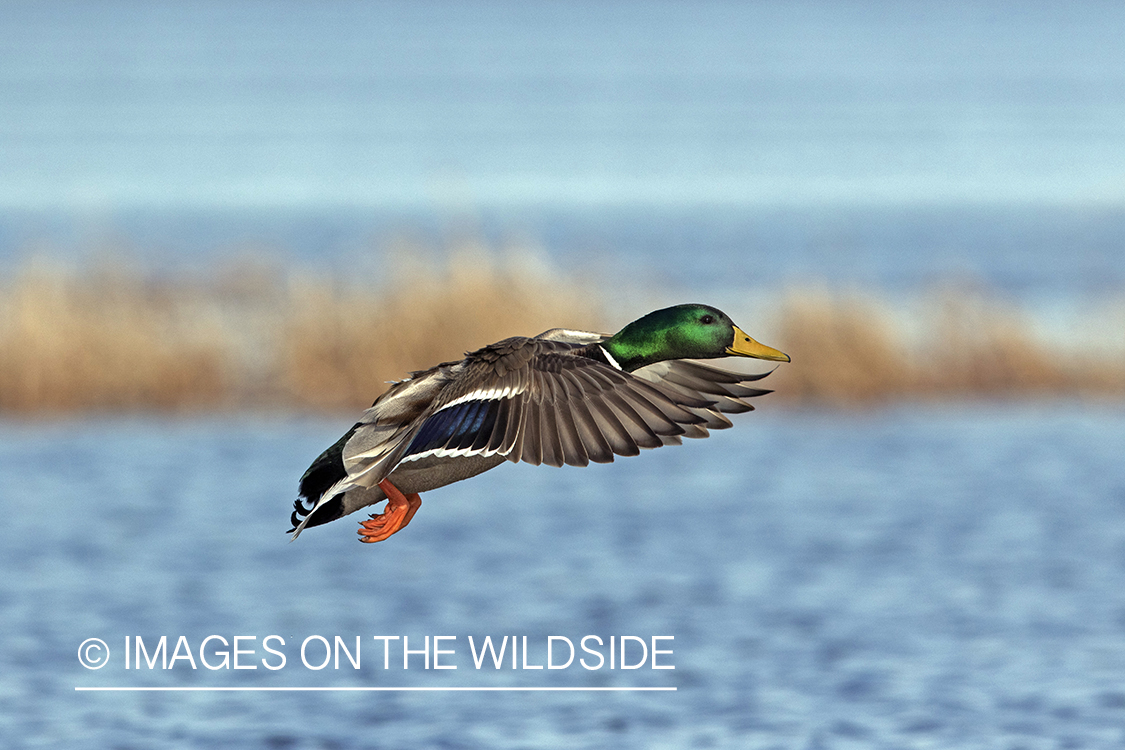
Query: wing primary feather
point(512, 438)
point(591, 435)
point(655, 400)
point(573, 451)
point(723, 403)
point(549, 434)
point(715, 374)
point(603, 378)
point(622, 427)
point(646, 398)
point(639, 430)
point(606, 422)
point(713, 421)
point(748, 378)
point(695, 384)
point(619, 437)
point(530, 445)
point(649, 413)
point(679, 396)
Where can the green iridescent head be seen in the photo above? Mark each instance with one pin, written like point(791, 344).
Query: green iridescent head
point(684, 332)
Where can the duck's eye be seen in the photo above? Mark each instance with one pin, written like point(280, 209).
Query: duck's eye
point(707, 320)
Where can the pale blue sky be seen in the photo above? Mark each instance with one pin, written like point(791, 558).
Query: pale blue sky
point(127, 105)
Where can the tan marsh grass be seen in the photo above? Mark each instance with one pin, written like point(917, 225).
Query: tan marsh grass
point(107, 339)
point(252, 335)
point(342, 342)
point(851, 348)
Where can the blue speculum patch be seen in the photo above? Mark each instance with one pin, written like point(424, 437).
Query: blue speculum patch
point(455, 427)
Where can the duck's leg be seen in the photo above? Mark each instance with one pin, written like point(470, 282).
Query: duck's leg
point(400, 509)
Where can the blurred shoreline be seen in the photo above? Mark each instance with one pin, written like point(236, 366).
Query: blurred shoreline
point(249, 334)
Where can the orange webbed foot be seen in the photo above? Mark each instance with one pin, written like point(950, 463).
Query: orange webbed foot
point(400, 509)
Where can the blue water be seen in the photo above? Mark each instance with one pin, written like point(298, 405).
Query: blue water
point(911, 577)
point(446, 105)
point(709, 150)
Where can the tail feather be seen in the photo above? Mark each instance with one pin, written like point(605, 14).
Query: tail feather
point(326, 472)
point(329, 507)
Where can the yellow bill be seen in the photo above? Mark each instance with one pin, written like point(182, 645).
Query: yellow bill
point(744, 346)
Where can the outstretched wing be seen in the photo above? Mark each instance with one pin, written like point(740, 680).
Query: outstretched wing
point(548, 401)
point(724, 388)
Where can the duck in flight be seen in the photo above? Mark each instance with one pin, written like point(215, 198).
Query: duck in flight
point(562, 397)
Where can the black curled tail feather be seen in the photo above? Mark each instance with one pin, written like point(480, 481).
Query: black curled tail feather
point(328, 511)
point(325, 471)
point(300, 510)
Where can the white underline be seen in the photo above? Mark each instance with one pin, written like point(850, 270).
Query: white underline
point(372, 689)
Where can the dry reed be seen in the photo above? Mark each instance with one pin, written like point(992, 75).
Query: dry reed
point(851, 349)
point(843, 350)
point(343, 342)
point(106, 339)
point(254, 336)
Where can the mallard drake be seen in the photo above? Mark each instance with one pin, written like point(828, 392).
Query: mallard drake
point(562, 397)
